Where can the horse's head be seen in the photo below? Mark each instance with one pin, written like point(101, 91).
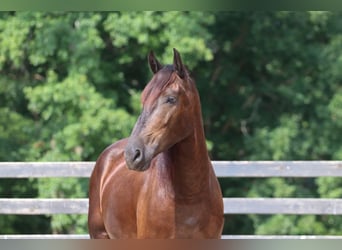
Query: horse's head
point(167, 116)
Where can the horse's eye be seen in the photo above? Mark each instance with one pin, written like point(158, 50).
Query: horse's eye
point(171, 99)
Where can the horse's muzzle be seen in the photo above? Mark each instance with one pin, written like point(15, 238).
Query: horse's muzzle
point(135, 155)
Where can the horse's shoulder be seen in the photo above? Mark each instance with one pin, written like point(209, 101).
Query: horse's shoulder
point(111, 154)
point(115, 149)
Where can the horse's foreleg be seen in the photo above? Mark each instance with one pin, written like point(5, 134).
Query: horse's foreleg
point(96, 226)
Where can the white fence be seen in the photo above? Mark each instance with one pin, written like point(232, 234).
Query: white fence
point(223, 169)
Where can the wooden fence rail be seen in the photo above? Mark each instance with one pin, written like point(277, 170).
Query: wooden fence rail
point(37, 206)
point(223, 169)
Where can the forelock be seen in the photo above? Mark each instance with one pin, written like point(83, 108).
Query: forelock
point(157, 84)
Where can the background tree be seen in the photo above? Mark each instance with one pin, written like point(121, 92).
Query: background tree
point(70, 85)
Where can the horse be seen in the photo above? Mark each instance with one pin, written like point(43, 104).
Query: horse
point(159, 183)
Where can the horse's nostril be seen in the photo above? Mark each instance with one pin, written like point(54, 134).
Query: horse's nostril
point(137, 155)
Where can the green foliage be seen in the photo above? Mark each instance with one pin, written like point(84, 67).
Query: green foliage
point(162, 31)
point(76, 121)
point(15, 132)
point(270, 82)
point(290, 225)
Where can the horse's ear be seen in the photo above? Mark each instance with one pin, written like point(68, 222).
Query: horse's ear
point(154, 63)
point(178, 65)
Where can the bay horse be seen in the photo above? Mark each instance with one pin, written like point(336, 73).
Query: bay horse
point(159, 182)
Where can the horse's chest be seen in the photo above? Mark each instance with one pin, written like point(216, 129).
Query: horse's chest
point(164, 218)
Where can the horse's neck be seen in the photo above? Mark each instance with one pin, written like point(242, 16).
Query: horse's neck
point(190, 165)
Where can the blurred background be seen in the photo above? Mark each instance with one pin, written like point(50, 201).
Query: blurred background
point(270, 87)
